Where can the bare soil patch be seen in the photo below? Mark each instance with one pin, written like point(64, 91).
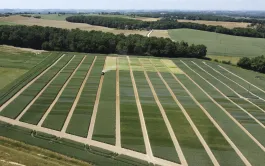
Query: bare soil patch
point(221, 23)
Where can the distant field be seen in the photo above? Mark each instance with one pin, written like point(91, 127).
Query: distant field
point(219, 23)
point(141, 111)
point(220, 44)
point(58, 22)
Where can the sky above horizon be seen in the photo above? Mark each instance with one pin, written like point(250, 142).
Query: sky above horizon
point(136, 4)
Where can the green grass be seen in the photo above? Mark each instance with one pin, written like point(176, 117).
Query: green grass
point(105, 124)
point(131, 132)
point(54, 16)
point(56, 118)
point(8, 75)
point(220, 44)
point(80, 121)
point(249, 149)
point(17, 105)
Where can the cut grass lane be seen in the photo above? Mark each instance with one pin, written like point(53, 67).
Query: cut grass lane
point(160, 140)
point(192, 148)
point(105, 125)
point(242, 117)
point(221, 149)
point(40, 106)
point(131, 132)
point(245, 144)
point(79, 123)
point(56, 118)
point(19, 103)
point(235, 92)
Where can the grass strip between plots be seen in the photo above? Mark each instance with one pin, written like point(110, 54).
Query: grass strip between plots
point(131, 132)
point(245, 144)
point(79, 123)
point(56, 118)
point(17, 105)
point(40, 106)
point(105, 125)
point(160, 140)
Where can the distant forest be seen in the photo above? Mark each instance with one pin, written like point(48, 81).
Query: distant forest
point(56, 39)
point(166, 23)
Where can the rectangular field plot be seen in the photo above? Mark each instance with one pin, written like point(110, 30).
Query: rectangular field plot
point(131, 132)
point(79, 123)
point(42, 104)
point(160, 140)
point(243, 142)
point(104, 129)
point(56, 118)
point(17, 105)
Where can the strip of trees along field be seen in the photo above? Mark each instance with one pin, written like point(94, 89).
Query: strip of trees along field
point(166, 23)
point(56, 39)
point(256, 64)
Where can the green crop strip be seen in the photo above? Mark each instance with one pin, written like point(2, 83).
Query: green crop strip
point(250, 124)
point(79, 123)
point(131, 132)
point(105, 125)
point(40, 106)
point(56, 118)
point(250, 150)
point(160, 140)
point(17, 106)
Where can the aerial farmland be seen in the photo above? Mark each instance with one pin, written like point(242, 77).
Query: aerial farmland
point(139, 111)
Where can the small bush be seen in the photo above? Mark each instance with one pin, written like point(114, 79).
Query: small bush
point(226, 62)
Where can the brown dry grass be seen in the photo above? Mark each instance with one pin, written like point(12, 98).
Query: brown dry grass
point(18, 50)
point(221, 23)
point(67, 25)
point(147, 19)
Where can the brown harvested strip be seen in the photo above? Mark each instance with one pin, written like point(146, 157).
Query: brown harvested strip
point(77, 97)
point(169, 127)
point(59, 94)
point(118, 120)
point(30, 83)
point(40, 93)
point(95, 110)
point(230, 116)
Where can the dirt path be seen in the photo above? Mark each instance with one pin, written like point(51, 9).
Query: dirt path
point(169, 127)
point(242, 79)
point(29, 84)
point(101, 145)
point(141, 115)
point(237, 84)
point(243, 158)
point(228, 114)
point(225, 95)
point(40, 93)
point(118, 119)
point(58, 95)
point(197, 132)
point(95, 110)
point(78, 97)
point(149, 33)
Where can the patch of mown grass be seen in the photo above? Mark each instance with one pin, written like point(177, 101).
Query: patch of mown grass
point(105, 124)
point(131, 132)
point(80, 121)
point(56, 118)
point(40, 106)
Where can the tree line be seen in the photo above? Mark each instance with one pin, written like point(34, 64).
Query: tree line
point(166, 23)
point(256, 63)
point(56, 39)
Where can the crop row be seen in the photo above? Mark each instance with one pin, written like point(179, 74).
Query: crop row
point(105, 125)
point(56, 118)
point(242, 141)
point(160, 140)
point(80, 120)
point(43, 102)
point(131, 132)
point(17, 105)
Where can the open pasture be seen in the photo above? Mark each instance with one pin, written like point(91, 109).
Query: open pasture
point(168, 112)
